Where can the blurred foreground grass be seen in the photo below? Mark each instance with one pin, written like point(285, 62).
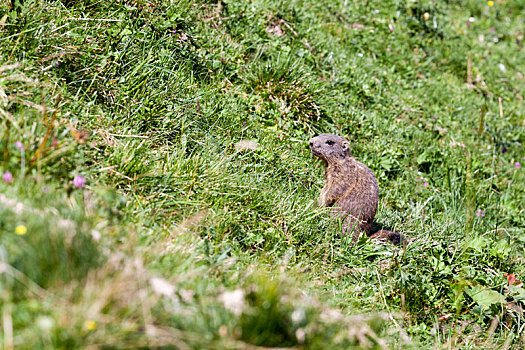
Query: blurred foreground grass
point(132, 217)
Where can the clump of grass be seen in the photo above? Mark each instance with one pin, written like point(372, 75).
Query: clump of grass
point(283, 84)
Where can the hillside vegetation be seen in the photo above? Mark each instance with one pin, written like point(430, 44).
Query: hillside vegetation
point(158, 191)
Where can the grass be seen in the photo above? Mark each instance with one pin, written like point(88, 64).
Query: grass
point(183, 239)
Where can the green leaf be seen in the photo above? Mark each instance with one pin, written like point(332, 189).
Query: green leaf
point(423, 158)
point(517, 293)
point(484, 296)
point(477, 243)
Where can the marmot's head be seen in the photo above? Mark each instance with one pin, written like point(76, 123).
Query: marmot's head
point(330, 147)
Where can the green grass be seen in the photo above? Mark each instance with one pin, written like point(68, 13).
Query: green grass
point(180, 239)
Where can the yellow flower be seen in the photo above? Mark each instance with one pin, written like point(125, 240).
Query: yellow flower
point(21, 230)
point(491, 3)
point(426, 16)
point(90, 325)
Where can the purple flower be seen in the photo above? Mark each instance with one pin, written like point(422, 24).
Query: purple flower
point(517, 165)
point(468, 24)
point(434, 118)
point(20, 146)
point(503, 150)
point(79, 181)
point(480, 213)
point(7, 177)
point(425, 184)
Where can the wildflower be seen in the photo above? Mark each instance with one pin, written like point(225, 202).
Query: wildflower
point(7, 177)
point(45, 323)
point(468, 24)
point(21, 230)
point(298, 316)
point(161, 287)
point(425, 184)
point(490, 3)
point(503, 150)
point(233, 301)
point(426, 16)
point(90, 325)
point(511, 279)
point(480, 213)
point(300, 334)
point(79, 181)
point(223, 331)
point(95, 235)
point(391, 27)
point(20, 146)
point(517, 165)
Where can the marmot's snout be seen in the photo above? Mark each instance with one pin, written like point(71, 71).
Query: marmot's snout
point(314, 146)
point(312, 141)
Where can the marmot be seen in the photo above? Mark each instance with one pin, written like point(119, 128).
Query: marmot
point(350, 188)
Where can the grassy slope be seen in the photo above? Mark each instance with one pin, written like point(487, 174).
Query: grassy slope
point(166, 91)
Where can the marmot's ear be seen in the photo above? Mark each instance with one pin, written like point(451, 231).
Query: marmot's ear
point(345, 145)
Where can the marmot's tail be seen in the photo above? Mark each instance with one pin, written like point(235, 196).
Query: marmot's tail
point(391, 236)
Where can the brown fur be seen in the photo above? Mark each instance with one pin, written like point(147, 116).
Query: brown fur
point(350, 188)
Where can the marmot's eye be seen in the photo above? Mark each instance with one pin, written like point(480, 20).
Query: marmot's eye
point(329, 142)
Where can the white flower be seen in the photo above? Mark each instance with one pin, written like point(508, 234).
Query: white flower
point(45, 323)
point(95, 234)
point(298, 316)
point(233, 301)
point(161, 287)
point(300, 334)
